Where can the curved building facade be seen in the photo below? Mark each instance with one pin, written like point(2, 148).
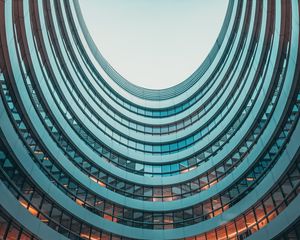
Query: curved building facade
point(85, 154)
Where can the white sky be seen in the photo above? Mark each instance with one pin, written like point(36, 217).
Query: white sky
point(154, 43)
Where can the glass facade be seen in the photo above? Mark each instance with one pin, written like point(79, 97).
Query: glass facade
point(84, 154)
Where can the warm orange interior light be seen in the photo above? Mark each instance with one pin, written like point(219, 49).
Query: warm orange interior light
point(107, 217)
point(93, 179)
point(213, 183)
point(102, 184)
point(168, 199)
point(192, 168)
point(30, 208)
point(168, 221)
point(184, 171)
point(43, 219)
point(79, 202)
point(23, 203)
point(204, 187)
point(83, 235)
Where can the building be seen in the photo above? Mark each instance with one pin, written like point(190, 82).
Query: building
point(84, 154)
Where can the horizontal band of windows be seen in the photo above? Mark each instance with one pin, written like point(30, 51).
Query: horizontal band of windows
point(262, 213)
point(10, 229)
point(258, 169)
point(289, 185)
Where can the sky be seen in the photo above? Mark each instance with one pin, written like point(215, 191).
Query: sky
point(155, 44)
